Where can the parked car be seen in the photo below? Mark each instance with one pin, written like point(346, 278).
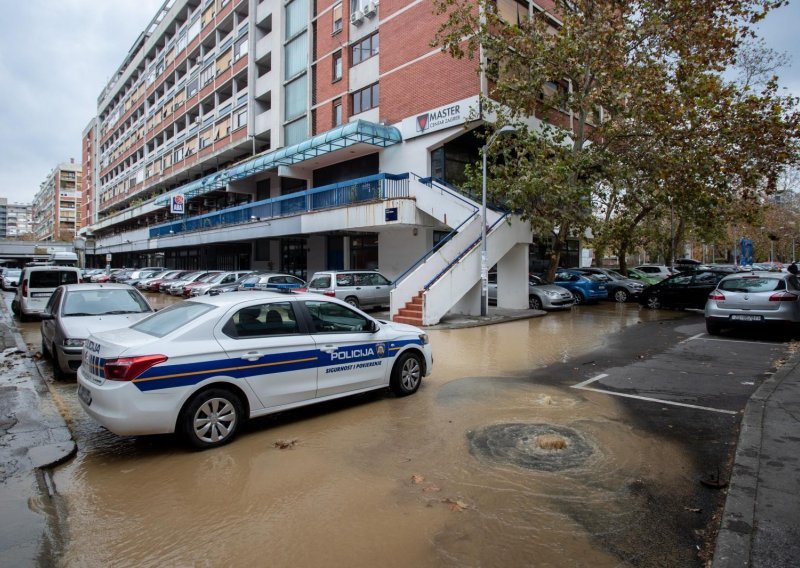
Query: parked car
point(277, 283)
point(175, 287)
point(687, 264)
point(105, 275)
point(684, 290)
point(11, 278)
point(144, 283)
point(620, 288)
point(656, 270)
point(221, 278)
point(37, 284)
point(541, 296)
point(358, 288)
point(643, 277)
point(186, 291)
point(753, 300)
point(230, 287)
point(585, 288)
point(76, 310)
point(205, 365)
point(155, 285)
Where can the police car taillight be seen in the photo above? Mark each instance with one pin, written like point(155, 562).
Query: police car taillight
point(129, 368)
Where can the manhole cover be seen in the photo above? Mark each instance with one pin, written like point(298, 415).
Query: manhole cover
point(534, 446)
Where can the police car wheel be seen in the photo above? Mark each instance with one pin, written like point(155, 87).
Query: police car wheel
point(406, 374)
point(212, 418)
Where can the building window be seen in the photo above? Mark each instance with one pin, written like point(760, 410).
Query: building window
point(178, 156)
point(296, 17)
point(296, 132)
point(207, 74)
point(241, 118)
point(240, 48)
point(296, 53)
point(364, 49)
point(337, 18)
point(366, 99)
point(337, 66)
point(296, 100)
point(337, 112)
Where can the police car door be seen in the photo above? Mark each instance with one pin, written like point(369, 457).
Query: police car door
point(264, 344)
point(351, 356)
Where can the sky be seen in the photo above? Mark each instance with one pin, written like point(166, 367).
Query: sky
point(57, 55)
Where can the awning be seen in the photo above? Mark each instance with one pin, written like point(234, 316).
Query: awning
point(358, 132)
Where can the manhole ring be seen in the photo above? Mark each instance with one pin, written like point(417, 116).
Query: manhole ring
point(545, 447)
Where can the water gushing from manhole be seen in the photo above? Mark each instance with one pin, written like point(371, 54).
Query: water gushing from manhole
point(544, 447)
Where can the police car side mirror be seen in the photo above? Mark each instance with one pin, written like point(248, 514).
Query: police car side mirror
point(373, 326)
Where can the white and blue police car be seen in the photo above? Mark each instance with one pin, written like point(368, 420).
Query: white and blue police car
point(203, 366)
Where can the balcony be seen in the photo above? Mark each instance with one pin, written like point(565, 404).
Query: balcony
point(263, 122)
point(353, 192)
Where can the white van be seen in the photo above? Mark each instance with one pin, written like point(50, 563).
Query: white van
point(37, 284)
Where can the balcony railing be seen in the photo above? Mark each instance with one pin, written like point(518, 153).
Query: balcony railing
point(362, 190)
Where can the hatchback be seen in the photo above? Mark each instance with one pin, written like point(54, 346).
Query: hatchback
point(37, 284)
point(76, 310)
point(584, 287)
point(11, 278)
point(656, 270)
point(359, 288)
point(204, 366)
point(541, 296)
point(620, 288)
point(684, 290)
point(753, 299)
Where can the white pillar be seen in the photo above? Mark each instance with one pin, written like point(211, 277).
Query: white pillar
point(512, 278)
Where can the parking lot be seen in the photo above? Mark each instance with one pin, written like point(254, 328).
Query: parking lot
point(646, 404)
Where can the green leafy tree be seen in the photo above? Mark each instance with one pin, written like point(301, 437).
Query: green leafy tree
point(620, 108)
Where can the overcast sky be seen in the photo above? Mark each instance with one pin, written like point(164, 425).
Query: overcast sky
point(57, 55)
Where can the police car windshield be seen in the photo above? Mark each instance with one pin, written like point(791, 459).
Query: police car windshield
point(168, 320)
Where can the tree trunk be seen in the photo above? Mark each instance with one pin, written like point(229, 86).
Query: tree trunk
point(623, 261)
point(555, 255)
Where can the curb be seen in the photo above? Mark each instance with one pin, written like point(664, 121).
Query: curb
point(737, 524)
point(63, 444)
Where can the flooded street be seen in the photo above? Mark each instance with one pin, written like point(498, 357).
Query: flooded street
point(460, 474)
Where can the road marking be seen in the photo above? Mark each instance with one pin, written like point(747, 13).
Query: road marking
point(730, 340)
point(648, 399)
point(698, 336)
point(584, 383)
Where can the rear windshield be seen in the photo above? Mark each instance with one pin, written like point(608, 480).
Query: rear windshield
point(169, 319)
point(751, 284)
point(51, 278)
point(320, 282)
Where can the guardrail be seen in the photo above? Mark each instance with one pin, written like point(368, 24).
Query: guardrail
point(371, 188)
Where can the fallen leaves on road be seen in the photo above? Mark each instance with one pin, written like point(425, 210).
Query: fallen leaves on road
point(285, 444)
point(431, 487)
point(417, 479)
point(456, 504)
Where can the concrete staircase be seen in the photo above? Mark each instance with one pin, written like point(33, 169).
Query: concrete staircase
point(448, 280)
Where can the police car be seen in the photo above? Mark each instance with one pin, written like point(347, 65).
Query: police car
point(203, 366)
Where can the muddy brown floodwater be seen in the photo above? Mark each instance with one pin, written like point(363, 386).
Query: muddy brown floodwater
point(445, 477)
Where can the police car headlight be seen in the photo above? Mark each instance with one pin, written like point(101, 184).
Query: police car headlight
point(73, 342)
point(423, 337)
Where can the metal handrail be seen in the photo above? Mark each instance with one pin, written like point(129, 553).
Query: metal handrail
point(462, 254)
point(359, 190)
point(435, 248)
point(429, 181)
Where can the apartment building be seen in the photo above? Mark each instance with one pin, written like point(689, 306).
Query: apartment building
point(57, 204)
point(293, 136)
point(16, 219)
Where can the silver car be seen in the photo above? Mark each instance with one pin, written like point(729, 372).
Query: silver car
point(359, 288)
point(76, 310)
point(541, 296)
point(11, 278)
point(753, 299)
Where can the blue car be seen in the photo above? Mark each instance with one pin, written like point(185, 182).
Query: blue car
point(585, 287)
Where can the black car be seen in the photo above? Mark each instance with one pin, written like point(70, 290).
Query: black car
point(684, 290)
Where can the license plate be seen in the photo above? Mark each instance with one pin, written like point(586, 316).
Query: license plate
point(85, 395)
point(746, 317)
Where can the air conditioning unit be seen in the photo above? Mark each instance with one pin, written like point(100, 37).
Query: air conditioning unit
point(357, 17)
point(370, 9)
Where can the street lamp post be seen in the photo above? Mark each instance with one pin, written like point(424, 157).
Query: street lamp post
point(484, 258)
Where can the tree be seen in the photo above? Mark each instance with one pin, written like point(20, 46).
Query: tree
point(621, 106)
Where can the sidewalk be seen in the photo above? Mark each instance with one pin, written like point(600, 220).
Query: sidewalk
point(33, 436)
point(761, 523)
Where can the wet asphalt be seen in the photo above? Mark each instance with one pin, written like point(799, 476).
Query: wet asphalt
point(652, 402)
